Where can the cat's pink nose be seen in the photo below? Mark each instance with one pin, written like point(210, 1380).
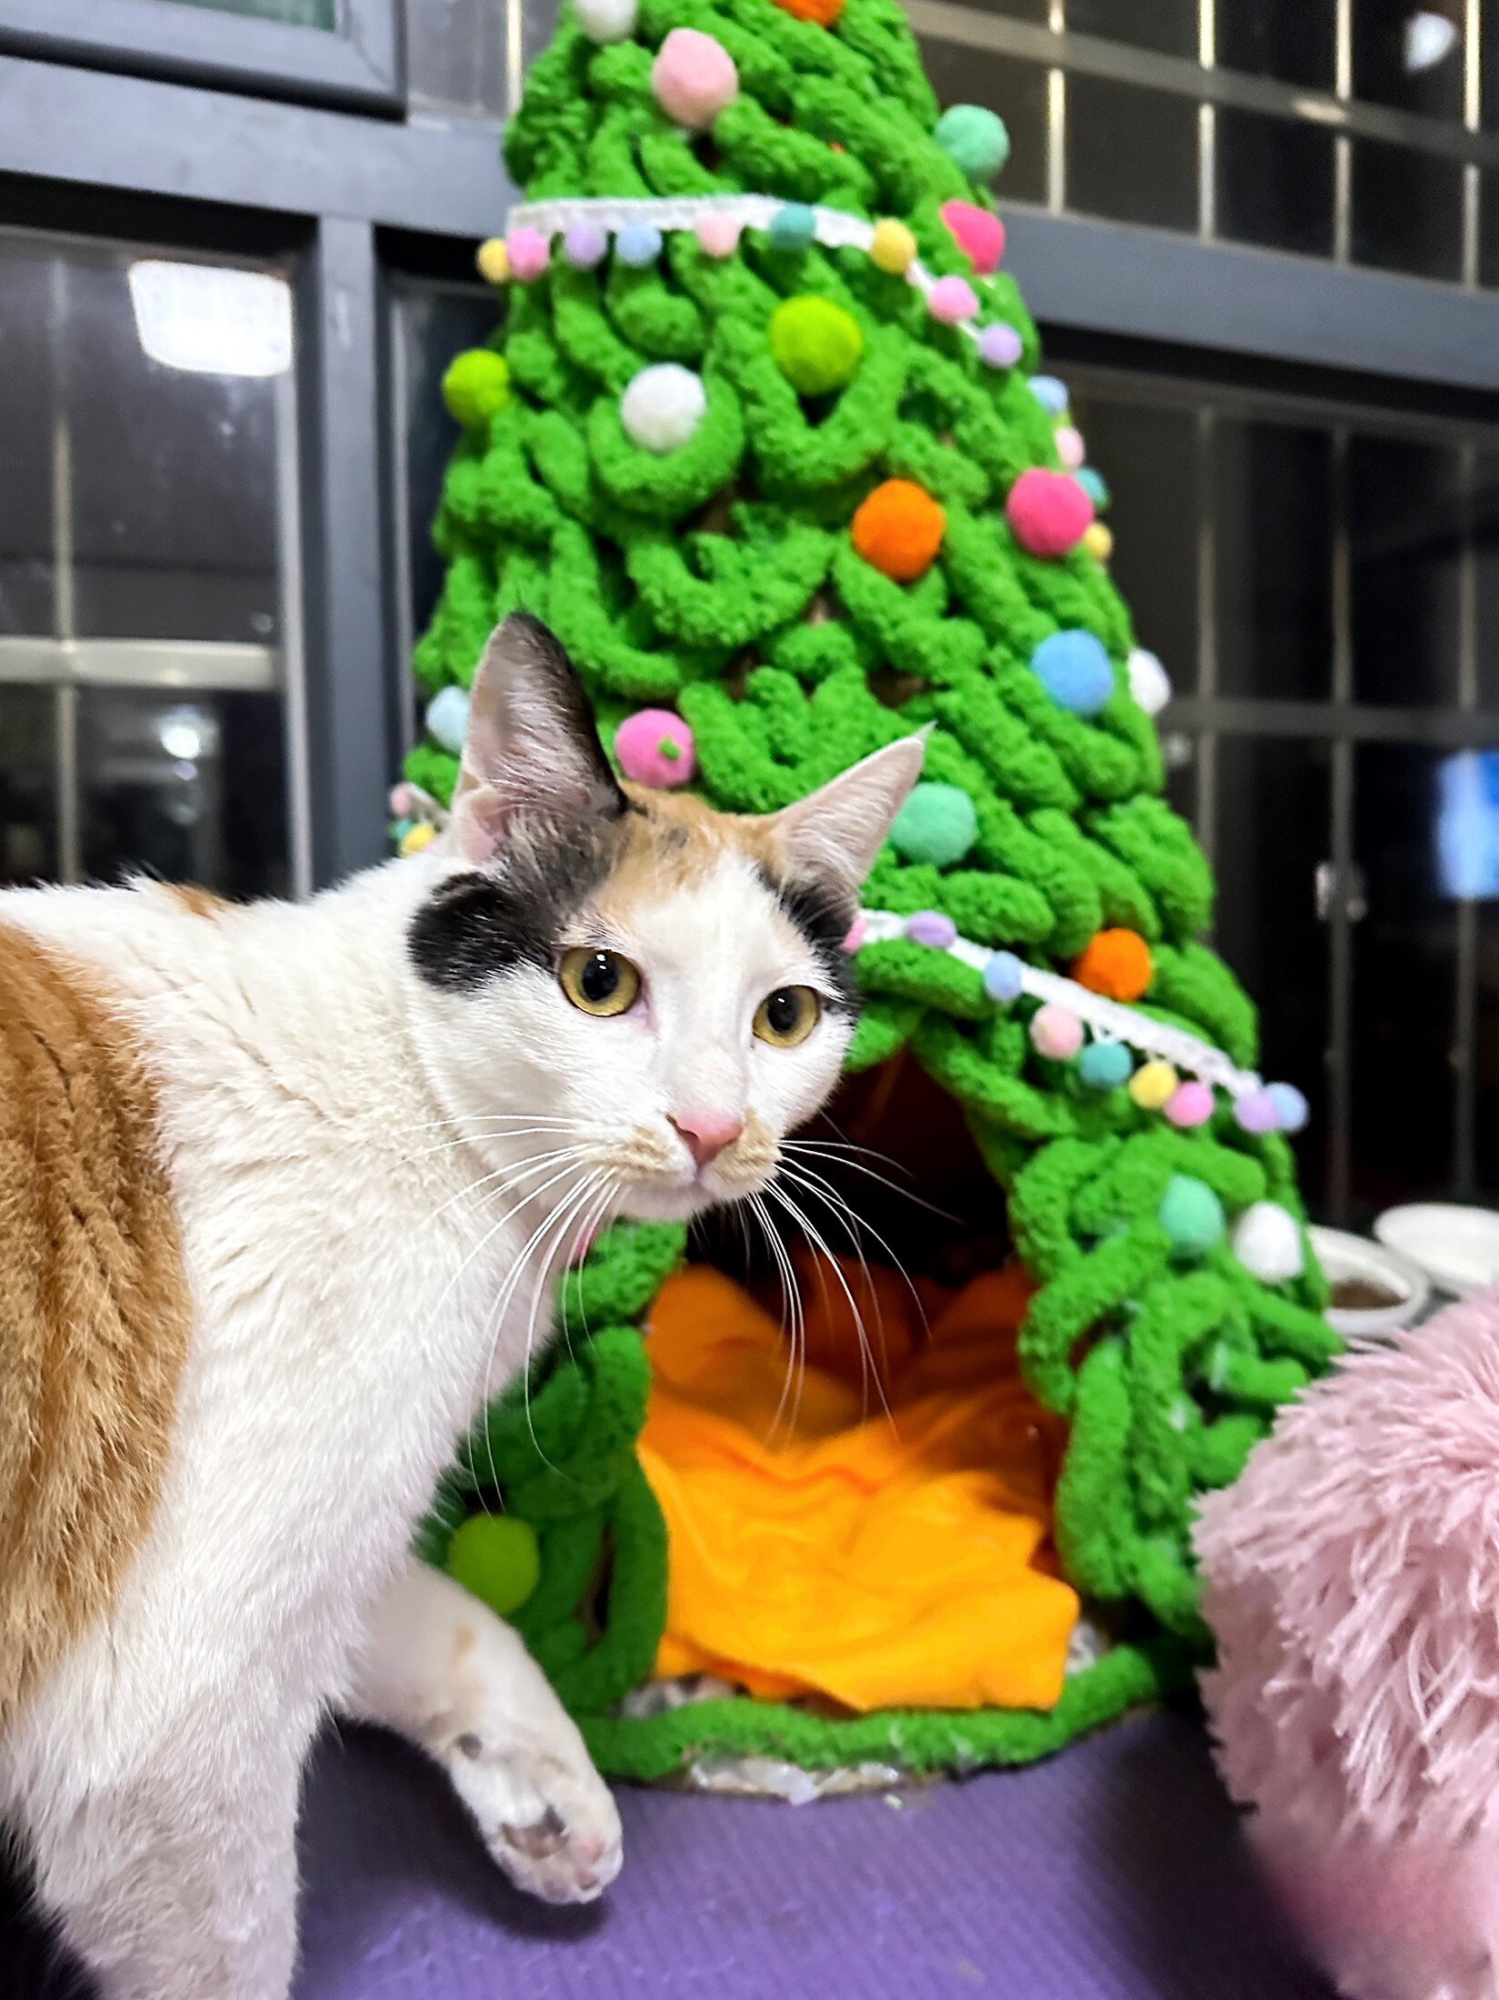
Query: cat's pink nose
point(707, 1132)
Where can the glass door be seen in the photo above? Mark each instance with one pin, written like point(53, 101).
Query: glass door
point(151, 711)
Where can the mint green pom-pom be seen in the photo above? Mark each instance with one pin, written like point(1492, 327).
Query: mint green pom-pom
point(477, 387)
point(1191, 1215)
point(937, 823)
point(816, 344)
point(975, 138)
point(497, 1558)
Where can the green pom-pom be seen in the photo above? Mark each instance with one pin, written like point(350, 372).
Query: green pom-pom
point(477, 387)
point(496, 1557)
point(937, 823)
point(975, 138)
point(817, 345)
point(1191, 1215)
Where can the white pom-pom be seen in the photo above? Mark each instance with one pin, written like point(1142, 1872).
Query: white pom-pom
point(1149, 682)
point(447, 718)
point(1266, 1239)
point(607, 20)
point(662, 407)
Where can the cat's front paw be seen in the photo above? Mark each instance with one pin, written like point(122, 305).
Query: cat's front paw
point(546, 1815)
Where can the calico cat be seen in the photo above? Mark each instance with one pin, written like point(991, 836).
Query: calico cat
point(283, 1193)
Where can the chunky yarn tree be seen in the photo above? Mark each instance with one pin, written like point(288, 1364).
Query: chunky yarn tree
point(762, 441)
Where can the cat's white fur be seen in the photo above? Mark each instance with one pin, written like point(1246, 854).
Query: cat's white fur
point(327, 1117)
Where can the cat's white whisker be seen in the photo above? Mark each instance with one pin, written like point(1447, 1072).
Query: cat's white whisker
point(819, 1242)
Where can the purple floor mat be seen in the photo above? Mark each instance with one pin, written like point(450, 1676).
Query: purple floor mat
point(1114, 1872)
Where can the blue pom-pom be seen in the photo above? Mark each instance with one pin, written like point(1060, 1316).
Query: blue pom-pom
point(793, 227)
point(1291, 1107)
point(1094, 485)
point(447, 718)
point(1075, 671)
point(1050, 392)
point(1105, 1065)
point(638, 244)
point(1003, 978)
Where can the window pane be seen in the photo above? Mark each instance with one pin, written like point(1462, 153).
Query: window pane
point(1272, 506)
point(1294, 40)
point(26, 419)
point(1485, 518)
point(434, 322)
point(298, 13)
point(1404, 992)
point(1486, 1056)
point(1148, 456)
point(189, 789)
point(1272, 829)
point(455, 52)
point(1407, 210)
point(1275, 182)
point(1404, 521)
point(1410, 56)
point(1169, 26)
point(1019, 10)
point(1131, 153)
point(28, 791)
point(1488, 228)
point(1016, 90)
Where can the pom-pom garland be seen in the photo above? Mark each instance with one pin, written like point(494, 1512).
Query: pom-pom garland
point(1000, 346)
point(492, 261)
point(585, 245)
point(719, 234)
point(1056, 1032)
point(1190, 1104)
point(1105, 1065)
point(898, 530)
point(638, 245)
point(1051, 393)
point(892, 247)
point(952, 300)
point(663, 406)
point(1154, 1085)
point(656, 748)
point(933, 927)
point(793, 226)
point(694, 78)
point(529, 253)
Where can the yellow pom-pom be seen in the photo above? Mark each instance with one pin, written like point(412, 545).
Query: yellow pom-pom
point(893, 247)
point(415, 838)
point(1152, 1084)
point(493, 260)
point(1098, 541)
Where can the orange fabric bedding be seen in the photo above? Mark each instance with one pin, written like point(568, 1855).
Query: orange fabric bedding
point(821, 1545)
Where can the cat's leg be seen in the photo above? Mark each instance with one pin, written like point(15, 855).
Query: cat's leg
point(438, 1666)
point(175, 1878)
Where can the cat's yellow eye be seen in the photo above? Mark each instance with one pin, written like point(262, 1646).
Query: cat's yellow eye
point(600, 982)
point(787, 1016)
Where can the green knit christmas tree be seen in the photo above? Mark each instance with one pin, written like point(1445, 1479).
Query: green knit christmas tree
point(762, 441)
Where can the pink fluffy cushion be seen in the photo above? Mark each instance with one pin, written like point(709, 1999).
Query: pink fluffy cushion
point(1352, 1581)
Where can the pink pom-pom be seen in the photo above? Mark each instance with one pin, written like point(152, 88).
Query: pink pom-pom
point(530, 253)
point(403, 801)
point(856, 930)
point(1070, 447)
point(719, 235)
point(1190, 1104)
point(1351, 1575)
point(1056, 1032)
point(980, 235)
point(951, 300)
point(655, 748)
point(1048, 512)
point(694, 78)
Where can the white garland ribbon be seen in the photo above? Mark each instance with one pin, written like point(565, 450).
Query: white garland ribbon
point(1109, 1020)
point(834, 229)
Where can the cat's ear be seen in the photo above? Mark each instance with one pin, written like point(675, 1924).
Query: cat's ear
point(837, 832)
point(532, 747)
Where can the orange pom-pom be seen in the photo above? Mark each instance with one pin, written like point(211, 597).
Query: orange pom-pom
point(1115, 963)
point(823, 12)
point(899, 529)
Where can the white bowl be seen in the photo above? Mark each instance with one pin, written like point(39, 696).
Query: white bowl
point(1457, 1247)
point(1344, 1256)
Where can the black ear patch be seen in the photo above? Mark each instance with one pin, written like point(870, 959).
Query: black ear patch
point(824, 916)
point(485, 922)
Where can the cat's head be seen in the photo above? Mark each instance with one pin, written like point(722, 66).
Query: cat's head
point(656, 990)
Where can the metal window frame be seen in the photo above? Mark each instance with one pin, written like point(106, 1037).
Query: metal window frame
point(358, 62)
